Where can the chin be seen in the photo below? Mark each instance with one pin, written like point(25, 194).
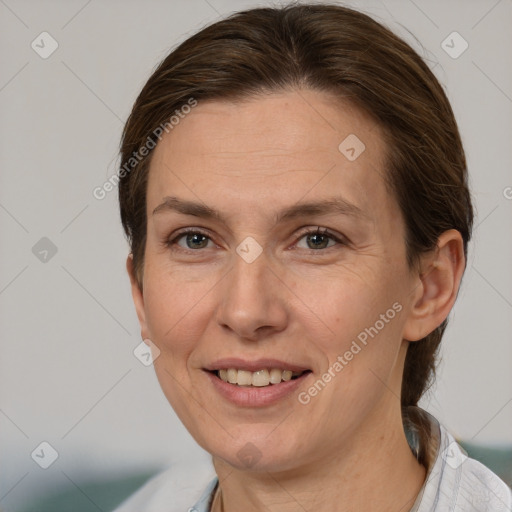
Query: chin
point(256, 450)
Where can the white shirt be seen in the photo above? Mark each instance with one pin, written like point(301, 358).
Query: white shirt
point(454, 482)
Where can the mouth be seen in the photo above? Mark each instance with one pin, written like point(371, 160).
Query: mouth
point(256, 382)
point(264, 377)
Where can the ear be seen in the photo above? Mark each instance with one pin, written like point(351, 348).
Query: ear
point(437, 286)
point(138, 297)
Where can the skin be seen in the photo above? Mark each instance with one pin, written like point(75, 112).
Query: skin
point(346, 449)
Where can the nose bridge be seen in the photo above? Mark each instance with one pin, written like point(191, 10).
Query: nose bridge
point(250, 271)
point(251, 297)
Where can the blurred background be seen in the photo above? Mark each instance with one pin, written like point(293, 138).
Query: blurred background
point(82, 419)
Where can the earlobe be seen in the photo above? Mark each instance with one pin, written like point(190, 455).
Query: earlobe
point(436, 291)
point(137, 296)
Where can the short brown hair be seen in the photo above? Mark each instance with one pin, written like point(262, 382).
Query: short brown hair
point(324, 48)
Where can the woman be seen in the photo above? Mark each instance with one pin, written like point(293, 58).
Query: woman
point(294, 189)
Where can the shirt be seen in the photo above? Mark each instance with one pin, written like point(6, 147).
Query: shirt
point(454, 482)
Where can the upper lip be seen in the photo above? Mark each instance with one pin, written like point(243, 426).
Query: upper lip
point(254, 365)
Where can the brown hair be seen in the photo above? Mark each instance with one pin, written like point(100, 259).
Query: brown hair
point(325, 48)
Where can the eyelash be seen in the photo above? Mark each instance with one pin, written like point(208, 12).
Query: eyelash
point(171, 243)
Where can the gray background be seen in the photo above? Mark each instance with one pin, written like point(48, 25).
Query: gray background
point(68, 375)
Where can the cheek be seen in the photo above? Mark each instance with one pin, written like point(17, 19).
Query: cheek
point(346, 302)
point(177, 311)
point(362, 327)
point(175, 306)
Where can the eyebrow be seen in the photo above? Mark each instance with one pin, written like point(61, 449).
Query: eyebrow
point(328, 206)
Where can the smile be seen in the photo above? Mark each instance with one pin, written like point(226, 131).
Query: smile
point(260, 378)
point(258, 388)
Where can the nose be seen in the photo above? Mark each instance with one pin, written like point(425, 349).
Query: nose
point(253, 303)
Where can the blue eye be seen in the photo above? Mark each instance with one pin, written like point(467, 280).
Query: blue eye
point(195, 240)
point(319, 238)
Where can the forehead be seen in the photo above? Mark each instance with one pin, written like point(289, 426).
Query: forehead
point(271, 150)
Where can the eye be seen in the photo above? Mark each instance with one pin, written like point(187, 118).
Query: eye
point(193, 239)
point(319, 239)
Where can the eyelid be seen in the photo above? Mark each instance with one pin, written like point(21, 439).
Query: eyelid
point(342, 240)
point(317, 230)
point(172, 239)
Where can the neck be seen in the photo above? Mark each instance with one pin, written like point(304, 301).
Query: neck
point(377, 470)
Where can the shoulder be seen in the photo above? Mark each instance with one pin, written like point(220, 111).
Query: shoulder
point(480, 489)
point(175, 489)
point(458, 483)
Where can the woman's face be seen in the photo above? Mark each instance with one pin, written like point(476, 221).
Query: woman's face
point(258, 288)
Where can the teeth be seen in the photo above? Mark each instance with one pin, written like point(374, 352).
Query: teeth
point(244, 378)
point(275, 376)
point(287, 375)
point(261, 378)
point(232, 376)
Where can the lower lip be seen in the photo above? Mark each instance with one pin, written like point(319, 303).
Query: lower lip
point(253, 396)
